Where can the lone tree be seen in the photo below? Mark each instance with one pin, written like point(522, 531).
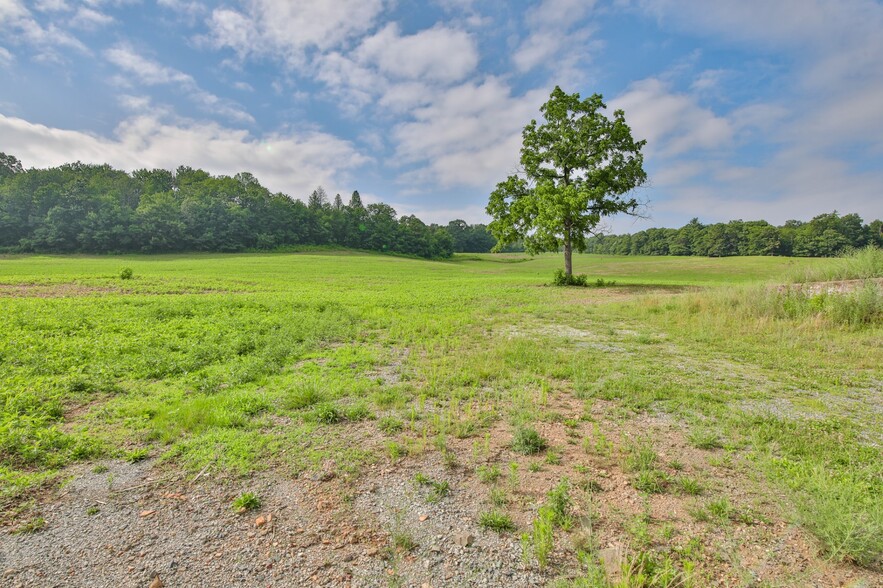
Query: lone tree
point(578, 167)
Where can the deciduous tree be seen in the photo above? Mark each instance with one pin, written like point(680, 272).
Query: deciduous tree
point(579, 166)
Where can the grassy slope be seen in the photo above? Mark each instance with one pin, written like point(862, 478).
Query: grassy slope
point(93, 365)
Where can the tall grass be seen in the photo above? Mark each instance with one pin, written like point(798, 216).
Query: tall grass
point(859, 264)
point(856, 308)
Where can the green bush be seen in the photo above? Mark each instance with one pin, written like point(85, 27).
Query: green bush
point(126, 273)
point(562, 279)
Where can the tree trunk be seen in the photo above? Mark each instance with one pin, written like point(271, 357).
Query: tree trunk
point(568, 257)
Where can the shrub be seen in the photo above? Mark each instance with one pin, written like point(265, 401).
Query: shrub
point(126, 273)
point(562, 279)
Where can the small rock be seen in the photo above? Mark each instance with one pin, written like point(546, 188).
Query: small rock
point(371, 552)
point(423, 517)
point(260, 521)
point(611, 558)
point(463, 538)
point(9, 572)
point(156, 583)
point(146, 513)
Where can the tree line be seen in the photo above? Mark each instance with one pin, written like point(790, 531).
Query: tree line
point(90, 208)
point(826, 235)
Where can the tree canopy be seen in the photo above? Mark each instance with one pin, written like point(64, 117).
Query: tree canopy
point(826, 235)
point(94, 208)
point(578, 166)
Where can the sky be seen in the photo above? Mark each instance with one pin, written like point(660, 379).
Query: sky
point(751, 109)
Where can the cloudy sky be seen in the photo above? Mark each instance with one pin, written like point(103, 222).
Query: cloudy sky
point(751, 108)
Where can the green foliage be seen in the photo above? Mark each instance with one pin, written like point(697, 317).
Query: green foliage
point(488, 474)
point(563, 279)
point(390, 425)
point(689, 486)
point(578, 167)
point(651, 481)
point(496, 521)
point(246, 501)
point(30, 526)
point(403, 540)
point(528, 441)
point(641, 457)
point(437, 490)
point(327, 413)
point(137, 455)
point(826, 235)
point(126, 273)
point(95, 208)
point(704, 439)
point(542, 537)
point(560, 504)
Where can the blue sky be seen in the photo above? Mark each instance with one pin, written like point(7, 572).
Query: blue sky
point(751, 109)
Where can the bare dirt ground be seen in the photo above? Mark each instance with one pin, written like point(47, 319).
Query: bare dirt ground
point(136, 523)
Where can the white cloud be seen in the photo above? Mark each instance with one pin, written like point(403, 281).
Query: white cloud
point(438, 54)
point(672, 123)
point(52, 6)
point(47, 41)
point(836, 81)
point(287, 30)
point(557, 40)
point(89, 19)
point(6, 58)
point(397, 72)
point(288, 162)
point(469, 135)
point(151, 73)
point(820, 136)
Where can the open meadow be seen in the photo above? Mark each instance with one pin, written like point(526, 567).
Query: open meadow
point(342, 418)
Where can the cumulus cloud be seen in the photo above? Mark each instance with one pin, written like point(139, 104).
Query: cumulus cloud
point(152, 73)
point(287, 31)
point(288, 162)
point(47, 41)
point(672, 123)
point(439, 54)
point(470, 135)
point(828, 107)
point(6, 58)
point(398, 72)
point(558, 37)
point(89, 19)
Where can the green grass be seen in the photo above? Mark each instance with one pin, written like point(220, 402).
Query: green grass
point(496, 521)
point(528, 441)
point(250, 362)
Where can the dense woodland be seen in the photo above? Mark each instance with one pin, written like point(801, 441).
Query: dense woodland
point(97, 209)
point(826, 235)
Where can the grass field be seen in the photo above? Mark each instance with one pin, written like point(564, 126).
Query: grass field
point(692, 378)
